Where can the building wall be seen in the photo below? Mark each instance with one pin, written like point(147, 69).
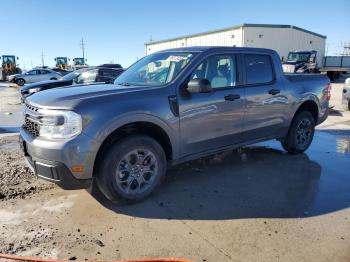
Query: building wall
point(225, 38)
point(284, 40)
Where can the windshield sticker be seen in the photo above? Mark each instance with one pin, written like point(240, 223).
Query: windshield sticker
point(175, 58)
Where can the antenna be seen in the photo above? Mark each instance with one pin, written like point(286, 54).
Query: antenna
point(42, 58)
point(82, 45)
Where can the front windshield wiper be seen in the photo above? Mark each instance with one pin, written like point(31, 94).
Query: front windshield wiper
point(124, 84)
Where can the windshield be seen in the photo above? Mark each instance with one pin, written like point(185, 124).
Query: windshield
point(61, 60)
point(86, 77)
point(73, 74)
point(8, 60)
point(156, 69)
point(78, 61)
point(299, 57)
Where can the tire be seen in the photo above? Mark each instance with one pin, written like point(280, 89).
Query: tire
point(20, 81)
point(124, 180)
point(300, 134)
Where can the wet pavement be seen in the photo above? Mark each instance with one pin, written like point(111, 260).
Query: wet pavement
point(254, 204)
point(260, 181)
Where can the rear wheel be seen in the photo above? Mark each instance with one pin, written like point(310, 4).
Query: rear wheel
point(300, 134)
point(131, 169)
point(20, 81)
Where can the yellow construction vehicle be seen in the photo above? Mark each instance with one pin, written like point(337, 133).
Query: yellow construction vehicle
point(8, 66)
point(62, 62)
point(79, 62)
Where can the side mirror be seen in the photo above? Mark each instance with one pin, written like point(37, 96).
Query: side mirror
point(201, 85)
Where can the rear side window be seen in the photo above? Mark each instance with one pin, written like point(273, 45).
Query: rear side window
point(258, 68)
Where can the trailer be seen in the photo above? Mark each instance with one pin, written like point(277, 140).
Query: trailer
point(334, 66)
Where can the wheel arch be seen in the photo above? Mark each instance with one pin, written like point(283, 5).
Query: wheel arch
point(310, 106)
point(143, 127)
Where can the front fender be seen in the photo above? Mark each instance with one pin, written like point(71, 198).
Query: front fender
point(104, 131)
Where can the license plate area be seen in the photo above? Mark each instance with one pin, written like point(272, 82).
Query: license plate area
point(23, 146)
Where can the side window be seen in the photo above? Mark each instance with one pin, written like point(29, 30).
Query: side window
point(313, 58)
point(259, 69)
point(219, 70)
point(33, 72)
point(43, 72)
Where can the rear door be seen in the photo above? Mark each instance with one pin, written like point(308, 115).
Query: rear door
point(44, 75)
point(210, 121)
point(267, 101)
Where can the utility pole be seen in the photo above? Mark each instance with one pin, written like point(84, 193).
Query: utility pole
point(42, 58)
point(82, 45)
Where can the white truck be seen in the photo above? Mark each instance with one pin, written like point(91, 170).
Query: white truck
point(306, 62)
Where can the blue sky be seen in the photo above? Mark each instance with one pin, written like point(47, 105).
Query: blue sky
point(117, 30)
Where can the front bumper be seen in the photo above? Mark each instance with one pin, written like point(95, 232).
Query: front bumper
point(56, 172)
point(52, 160)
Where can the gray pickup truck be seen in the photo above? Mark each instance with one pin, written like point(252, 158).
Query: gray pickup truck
point(169, 107)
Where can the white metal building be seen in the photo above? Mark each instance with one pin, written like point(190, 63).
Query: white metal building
point(282, 38)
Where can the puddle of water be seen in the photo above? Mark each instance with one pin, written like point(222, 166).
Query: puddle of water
point(10, 218)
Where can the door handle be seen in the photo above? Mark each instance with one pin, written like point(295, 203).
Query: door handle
point(274, 91)
point(232, 97)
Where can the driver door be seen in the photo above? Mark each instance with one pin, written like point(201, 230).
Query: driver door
point(32, 76)
point(210, 121)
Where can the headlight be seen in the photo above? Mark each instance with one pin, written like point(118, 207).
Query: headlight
point(59, 124)
point(33, 90)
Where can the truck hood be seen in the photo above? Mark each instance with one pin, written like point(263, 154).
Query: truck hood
point(68, 98)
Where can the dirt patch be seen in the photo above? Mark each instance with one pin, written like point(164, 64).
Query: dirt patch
point(16, 180)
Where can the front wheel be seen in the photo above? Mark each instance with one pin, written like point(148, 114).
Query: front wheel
point(131, 169)
point(300, 134)
point(20, 81)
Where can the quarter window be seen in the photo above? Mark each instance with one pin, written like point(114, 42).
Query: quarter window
point(219, 70)
point(259, 69)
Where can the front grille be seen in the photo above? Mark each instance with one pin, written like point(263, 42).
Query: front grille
point(31, 120)
point(32, 127)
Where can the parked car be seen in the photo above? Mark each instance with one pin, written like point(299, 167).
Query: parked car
point(34, 75)
point(111, 66)
point(346, 94)
point(80, 76)
point(212, 99)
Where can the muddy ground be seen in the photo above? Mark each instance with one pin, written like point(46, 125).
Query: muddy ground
point(259, 204)
point(16, 179)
